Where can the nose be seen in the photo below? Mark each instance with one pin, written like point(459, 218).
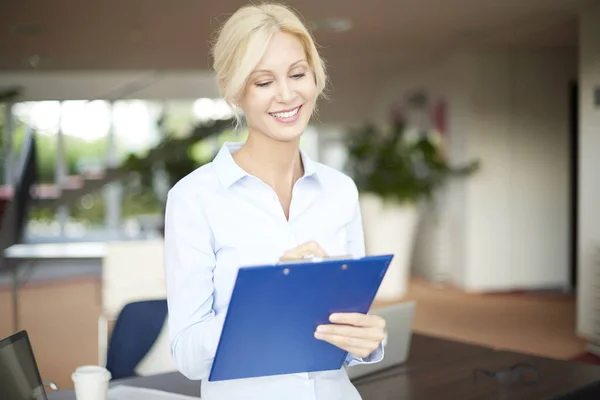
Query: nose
point(285, 93)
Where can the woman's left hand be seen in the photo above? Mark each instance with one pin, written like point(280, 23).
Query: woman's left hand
point(359, 334)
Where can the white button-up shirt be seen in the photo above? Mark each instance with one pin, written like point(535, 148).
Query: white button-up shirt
point(219, 218)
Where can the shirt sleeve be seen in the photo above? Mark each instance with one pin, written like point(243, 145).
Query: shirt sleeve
point(356, 247)
point(194, 328)
point(355, 235)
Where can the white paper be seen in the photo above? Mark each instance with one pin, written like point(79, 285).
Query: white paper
point(124, 392)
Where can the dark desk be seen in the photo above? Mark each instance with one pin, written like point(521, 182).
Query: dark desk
point(437, 369)
point(455, 380)
point(172, 382)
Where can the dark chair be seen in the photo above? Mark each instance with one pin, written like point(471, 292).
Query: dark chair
point(136, 330)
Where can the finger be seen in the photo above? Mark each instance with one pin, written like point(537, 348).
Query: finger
point(374, 334)
point(360, 353)
point(294, 254)
point(359, 347)
point(345, 342)
point(305, 249)
point(309, 248)
point(290, 255)
point(316, 249)
point(358, 319)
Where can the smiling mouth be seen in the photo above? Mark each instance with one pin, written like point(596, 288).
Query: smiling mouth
point(286, 115)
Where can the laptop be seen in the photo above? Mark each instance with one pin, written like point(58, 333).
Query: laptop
point(19, 375)
point(396, 346)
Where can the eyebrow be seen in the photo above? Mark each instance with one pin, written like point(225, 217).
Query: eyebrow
point(267, 71)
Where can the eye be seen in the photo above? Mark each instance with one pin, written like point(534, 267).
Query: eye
point(263, 84)
point(298, 76)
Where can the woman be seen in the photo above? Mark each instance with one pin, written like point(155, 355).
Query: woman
point(258, 202)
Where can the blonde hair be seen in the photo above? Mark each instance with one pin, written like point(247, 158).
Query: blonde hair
point(243, 40)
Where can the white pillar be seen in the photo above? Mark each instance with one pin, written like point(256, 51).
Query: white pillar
point(160, 177)
point(331, 147)
point(113, 192)
point(60, 172)
point(588, 252)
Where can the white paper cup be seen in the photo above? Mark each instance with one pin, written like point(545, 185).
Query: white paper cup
point(91, 382)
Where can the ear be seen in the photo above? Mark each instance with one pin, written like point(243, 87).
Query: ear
point(235, 101)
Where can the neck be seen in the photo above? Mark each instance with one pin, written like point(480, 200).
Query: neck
point(278, 164)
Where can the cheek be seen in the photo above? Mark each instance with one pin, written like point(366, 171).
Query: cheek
point(308, 91)
point(257, 102)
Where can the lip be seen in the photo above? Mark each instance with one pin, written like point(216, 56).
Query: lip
point(288, 120)
point(288, 110)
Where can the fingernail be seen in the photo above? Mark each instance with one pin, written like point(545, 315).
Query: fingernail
point(334, 317)
point(320, 328)
point(318, 335)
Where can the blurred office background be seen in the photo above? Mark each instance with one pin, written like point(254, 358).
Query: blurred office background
point(105, 105)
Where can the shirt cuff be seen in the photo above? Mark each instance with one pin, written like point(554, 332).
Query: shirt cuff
point(373, 358)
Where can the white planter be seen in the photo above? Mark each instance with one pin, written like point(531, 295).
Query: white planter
point(390, 228)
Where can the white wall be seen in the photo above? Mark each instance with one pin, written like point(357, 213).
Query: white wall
point(508, 225)
point(589, 183)
point(518, 210)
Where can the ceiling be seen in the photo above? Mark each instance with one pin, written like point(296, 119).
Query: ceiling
point(101, 39)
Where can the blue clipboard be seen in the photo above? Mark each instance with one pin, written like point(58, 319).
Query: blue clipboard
point(275, 310)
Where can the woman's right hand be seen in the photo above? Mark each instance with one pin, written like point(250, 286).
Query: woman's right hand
point(305, 250)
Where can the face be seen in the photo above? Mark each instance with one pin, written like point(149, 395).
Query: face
point(280, 94)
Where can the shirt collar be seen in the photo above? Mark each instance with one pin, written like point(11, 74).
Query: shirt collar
point(229, 172)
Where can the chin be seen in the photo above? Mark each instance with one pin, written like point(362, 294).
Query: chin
point(287, 133)
point(287, 137)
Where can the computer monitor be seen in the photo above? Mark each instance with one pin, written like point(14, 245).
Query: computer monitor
point(19, 375)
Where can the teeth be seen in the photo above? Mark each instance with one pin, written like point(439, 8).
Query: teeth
point(286, 114)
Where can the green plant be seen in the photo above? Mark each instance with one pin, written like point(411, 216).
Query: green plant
point(398, 165)
point(179, 156)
